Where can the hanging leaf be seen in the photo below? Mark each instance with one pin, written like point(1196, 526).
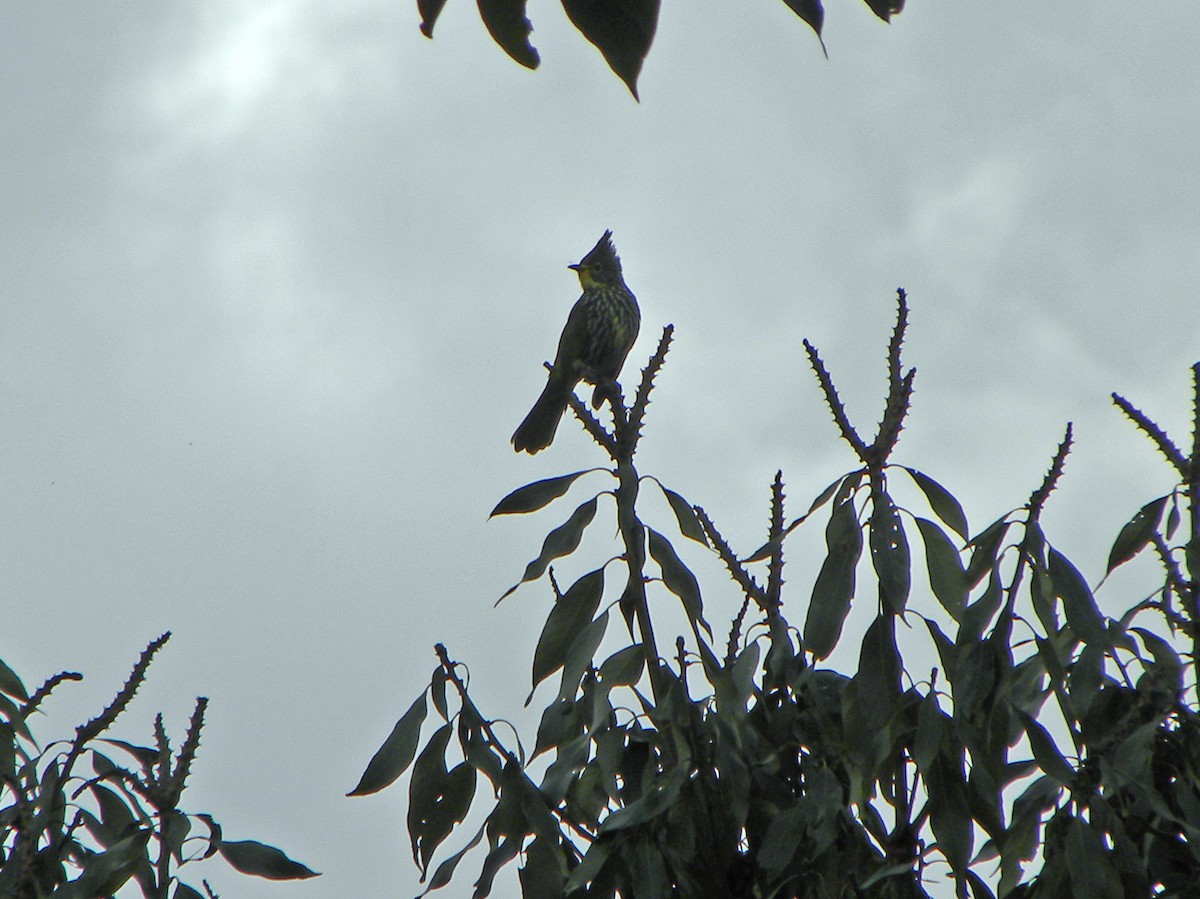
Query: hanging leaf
point(396, 753)
point(252, 857)
point(572, 612)
point(947, 578)
point(562, 541)
point(834, 587)
point(1083, 615)
point(678, 578)
point(890, 554)
point(508, 26)
point(941, 501)
point(622, 30)
point(534, 496)
point(1137, 533)
point(685, 515)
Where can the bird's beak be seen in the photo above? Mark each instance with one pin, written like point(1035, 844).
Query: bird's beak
point(575, 266)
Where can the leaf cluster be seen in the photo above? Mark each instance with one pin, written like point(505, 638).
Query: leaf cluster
point(72, 834)
point(622, 30)
point(1050, 751)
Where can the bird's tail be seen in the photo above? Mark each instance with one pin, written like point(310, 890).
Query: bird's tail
point(536, 432)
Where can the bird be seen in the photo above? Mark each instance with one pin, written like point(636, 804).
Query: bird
point(600, 330)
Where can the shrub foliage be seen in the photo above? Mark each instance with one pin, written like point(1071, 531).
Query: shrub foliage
point(1045, 749)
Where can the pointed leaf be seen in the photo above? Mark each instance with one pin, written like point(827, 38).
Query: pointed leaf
point(810, 11)
point(890, 554)
point(429, 10)
point(261, 860)
point(508, 26)
point(11, 684)
point(562, 541)
point(678, 578)
point(1049, 759)
point(1083, 615)
point(580, 655)
point(885, 9)
point(834, 587)
point(941, 501)
point(396, 753)
point(534, 496)
point(685, 515)
point(622, 30)
point(1137, 533)
point(571, 614)
point(944, 567)
point(986, 550)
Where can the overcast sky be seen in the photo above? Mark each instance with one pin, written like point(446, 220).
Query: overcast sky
point(280, 277)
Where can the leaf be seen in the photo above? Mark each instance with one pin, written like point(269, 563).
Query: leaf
point(508, 26)
point(534, 496)
point(445, 871)
point(1087, 860)
point(947, 578)
point(562, 541)
point(396, 753)
point(1136, 534)
point(623, 667)
point(810, 11)
point(1083, 615)
point(429, 10)
point(1049, 759)
point(11, 684)
point(890, 555)
point(685, 515)
point(949, 814)
point(622, 30)
point(261, 860)
point(977, 615)
point(571, 614)
point(941, 501)
point(425, 788)
point(678, 578)
point(580, 654)
point(834, 587)
point(878, 676)
point(885, 9)
point(986, 552)
point(183, 891)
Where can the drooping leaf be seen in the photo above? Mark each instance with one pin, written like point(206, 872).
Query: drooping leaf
point(986, 550)
point(623, 667)
point(885, 9)
point(261, 860)
point(685, 515)
point(949, 814)
point(425, 789)
point(509, 27)
point(1049, 759)
point(622, 30)
point(11, 684)
point(811, 11)
point(534, 496)
point(1083, 615)
point(429, 11)
point(941, 501)
point(445, 871)
point(890, 554)
point(878, 676)
point(580, 655)
point(678, 578)
point(396, 753)
point(834, 587)
point(572, 612)
point(947, 578)
point(977, 615)
point(562, 541)
point(1137, 533)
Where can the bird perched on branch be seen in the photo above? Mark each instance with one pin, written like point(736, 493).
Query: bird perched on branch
point(599, 333)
